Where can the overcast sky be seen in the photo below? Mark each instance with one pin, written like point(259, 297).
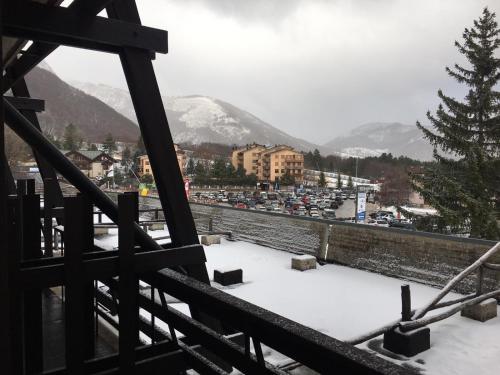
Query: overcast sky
point(313, 68)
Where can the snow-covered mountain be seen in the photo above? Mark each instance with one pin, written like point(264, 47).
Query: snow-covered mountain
point(373, 139)
point(65, 105)
point(196, 119)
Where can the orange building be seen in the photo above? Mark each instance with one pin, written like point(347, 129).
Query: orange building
point(145, 166)
point(269, 164)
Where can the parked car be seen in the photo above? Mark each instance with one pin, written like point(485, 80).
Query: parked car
point(328, 213)
point(381, 223)
point(403, 224)
point(334, 205)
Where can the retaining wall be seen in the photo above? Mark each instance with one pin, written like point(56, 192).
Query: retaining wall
point(423, 257)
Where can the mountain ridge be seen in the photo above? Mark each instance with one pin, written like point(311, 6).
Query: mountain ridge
point(375, 138)
point(198, 118)
point(65, 104)
point(100, 109)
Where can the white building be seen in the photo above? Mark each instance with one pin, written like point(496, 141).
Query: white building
point(311, 178)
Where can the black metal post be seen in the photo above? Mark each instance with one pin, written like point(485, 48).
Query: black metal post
point(405, 303)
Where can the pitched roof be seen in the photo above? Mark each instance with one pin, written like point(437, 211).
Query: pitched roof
point(89, 154)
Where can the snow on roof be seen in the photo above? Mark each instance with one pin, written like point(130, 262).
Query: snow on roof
point(345, 302)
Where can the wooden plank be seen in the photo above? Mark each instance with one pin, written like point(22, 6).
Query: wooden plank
point(74, 291)
point(6, 356)
point(12, 312)
point(128, 285)
point(33, 335)
point(88, 302)
point(50, 272)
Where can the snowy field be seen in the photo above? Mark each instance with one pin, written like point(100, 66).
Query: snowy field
point(344, 302)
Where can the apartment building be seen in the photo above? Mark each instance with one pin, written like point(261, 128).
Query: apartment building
point(145, 167)
point(277, 161)
point(270, 163)
point(247, 157)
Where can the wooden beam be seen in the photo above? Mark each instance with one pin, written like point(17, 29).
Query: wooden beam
point(23, 103)
point(99, 267)
point(40, 50)
point(66, 26)
point(128, 284)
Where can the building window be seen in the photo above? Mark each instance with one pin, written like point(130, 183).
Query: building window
point(282, 171)
point(276, 171)
point(276, 164)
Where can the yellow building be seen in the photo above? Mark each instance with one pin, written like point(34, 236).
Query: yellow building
point(145, 166)
point(247, 157)
point(277, 161)
point(269, 163)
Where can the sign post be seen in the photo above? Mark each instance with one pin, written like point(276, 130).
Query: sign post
point(361, 206)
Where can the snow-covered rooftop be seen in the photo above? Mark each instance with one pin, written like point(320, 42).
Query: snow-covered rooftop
point(343, 302)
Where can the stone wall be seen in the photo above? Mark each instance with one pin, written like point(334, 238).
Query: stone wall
point(278, 231)
point(423, 257)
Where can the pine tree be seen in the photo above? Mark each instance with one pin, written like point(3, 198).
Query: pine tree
point(464, 183)
point(190, 167)
point(322, 180)
point(109, 144)
point(140, 147)
point(126, 154)
point(241, 172)
point(317, 160)
point(339, 181)
point(287, 179)
point(199, 169)
point(71, 138)
point(350, 185)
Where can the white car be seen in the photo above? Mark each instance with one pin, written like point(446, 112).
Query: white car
point(382, 223)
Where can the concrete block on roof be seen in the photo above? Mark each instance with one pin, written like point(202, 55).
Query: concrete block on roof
point(303, 262)
point(210, 239)
point(482, 312)
point(157, 226)
point(99, 231)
